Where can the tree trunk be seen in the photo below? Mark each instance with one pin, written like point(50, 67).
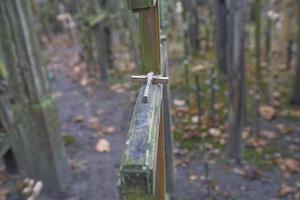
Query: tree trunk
point(284, 35)
point(296, 91)
point(258, 84)
point(191, 26)
point(221, 34)
point(34, 110)
point(236, 79)
point(101, 39)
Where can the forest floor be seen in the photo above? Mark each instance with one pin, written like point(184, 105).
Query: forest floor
point(91, 112)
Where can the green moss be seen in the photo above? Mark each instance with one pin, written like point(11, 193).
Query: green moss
point(257, 158)
point(194, 143)
point(69, 139)
point(3, 71)
point(43, 104)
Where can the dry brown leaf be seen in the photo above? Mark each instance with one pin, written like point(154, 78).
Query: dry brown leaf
point(283, 128)
point(191, 135)
point(109, 130)
point(245, 134)
point(193, 177)
point(198, 68)
point(289, 165)
point(256, 143)
point(268, 134)
point(103, 146)
point(267, 112)
point(182, 110)
point(78, 119)
point(214, 132)
point(295, 113)
point(117, 88)
point(93, 123)
point(222, 141)
point(285, 190)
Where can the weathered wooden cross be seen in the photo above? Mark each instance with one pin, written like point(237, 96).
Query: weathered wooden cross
point(146, 171)
point(148, 80)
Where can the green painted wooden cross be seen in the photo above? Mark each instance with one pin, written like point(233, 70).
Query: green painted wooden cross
point(146, 171)
point(148, 80)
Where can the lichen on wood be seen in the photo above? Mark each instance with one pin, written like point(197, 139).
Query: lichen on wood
point(137, 171)
point(140, 4)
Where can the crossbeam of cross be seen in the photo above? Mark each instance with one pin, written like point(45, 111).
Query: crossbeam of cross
point(149, 79)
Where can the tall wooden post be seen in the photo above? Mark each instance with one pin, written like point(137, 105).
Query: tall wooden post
point(296, 91)
point(236, 77)
point(38, 140)
point(167, 120)
point(151, 61)
point(191, 25)
point(258, 83)
point(143, 167)
point(221, 33)
point(101, 39)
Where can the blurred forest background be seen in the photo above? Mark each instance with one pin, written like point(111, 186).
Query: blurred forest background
point(66, 97)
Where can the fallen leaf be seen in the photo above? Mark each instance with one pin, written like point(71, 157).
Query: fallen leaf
point(198, 68)
point(182, 110)
point(78, 119)
point(285, 190)
point(103, 146)
point(295, 113)
point(117, 88)
point(289, 165)
point(178, 102)
point(109, 130)
point(191, 135)
point(283, 128)
point(215, 132)
point(93, 123)
point(193, 177)
point(256, 143)
point(267, 112)
point(268, 134)
point(195, 119)
point(245, 134)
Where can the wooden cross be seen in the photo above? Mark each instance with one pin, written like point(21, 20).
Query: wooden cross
point(149, 79)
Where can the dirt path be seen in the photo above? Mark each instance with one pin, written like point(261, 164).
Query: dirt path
point(94, 175)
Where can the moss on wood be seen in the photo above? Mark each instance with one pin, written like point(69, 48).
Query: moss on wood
point(137, 173)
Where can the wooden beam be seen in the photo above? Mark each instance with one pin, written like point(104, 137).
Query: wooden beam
point(137, 5)
point(167, 120)
point(138, 166)
point(150, 39)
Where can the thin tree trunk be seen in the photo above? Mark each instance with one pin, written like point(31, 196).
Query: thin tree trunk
point(258, 84)
point(191, 27)
point(236, 77)
point(221, 34)
point(270, 65)
point(284, 35)
point(296, 91)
